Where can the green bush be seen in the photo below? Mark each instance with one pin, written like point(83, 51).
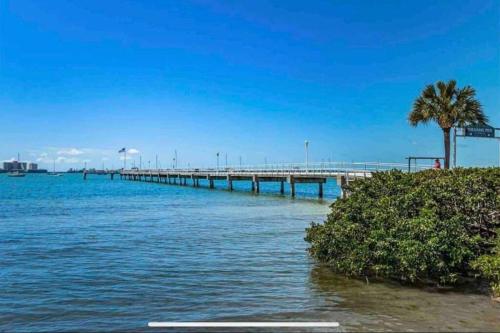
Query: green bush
point(488, 266)
point(423, 227)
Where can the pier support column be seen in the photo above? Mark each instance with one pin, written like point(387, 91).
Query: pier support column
point(210, 182)
point(341, 182)
point(291, 180)
point(229, 183)
point(320, 190)
point(84, 176)
point(112, 175)
point(256, 184)
point(197, 182)
point(282, 187)
point(253, 186)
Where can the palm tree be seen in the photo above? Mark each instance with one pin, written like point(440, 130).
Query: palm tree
point(448, 106)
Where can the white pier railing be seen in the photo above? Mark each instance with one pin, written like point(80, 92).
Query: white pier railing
point(316, 168)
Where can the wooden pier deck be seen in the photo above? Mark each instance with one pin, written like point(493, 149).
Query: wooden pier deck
point(290, 174)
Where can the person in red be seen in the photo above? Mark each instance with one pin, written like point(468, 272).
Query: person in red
point(437, 164)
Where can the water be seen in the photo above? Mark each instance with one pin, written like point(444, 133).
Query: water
point(113, 255)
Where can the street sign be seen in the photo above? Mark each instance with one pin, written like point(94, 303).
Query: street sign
point(483, 131)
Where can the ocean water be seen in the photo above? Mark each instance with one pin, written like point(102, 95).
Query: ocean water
point(93, 255)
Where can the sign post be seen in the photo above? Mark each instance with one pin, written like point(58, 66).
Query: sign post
point(480, 131)
point(475, 131)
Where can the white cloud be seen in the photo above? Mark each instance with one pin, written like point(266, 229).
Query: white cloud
point(133, 151)
point(70, 152)
point(62, 159)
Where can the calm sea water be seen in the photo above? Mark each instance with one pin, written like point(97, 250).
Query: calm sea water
point(112, 255)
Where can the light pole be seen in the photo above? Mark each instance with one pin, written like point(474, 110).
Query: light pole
point(175, 152)
point(454, 147)
point(217, 161)
point(499, 151)
point(306, 143)
point(240, 161)
point(140, 162)
point(226, 160)
point(149, 165)
point(156, 162)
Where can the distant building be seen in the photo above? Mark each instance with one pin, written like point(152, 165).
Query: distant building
point(13, 166)
point(19, 166)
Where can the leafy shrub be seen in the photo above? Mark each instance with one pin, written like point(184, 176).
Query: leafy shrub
point(488, 266)
point(421, 227)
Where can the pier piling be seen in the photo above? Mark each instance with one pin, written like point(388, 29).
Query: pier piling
point(292, 176)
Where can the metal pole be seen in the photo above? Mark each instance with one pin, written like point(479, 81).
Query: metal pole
point(454, 147)
point(240, 161)
point(499, 151)
point(125, 159)
point(176, 158)
point(307, 154)
point(156, 161)
point(217, 161)
point(140, 162)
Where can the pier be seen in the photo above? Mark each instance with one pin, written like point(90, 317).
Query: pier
point(291, 174)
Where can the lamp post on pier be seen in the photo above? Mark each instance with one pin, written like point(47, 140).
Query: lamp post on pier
point(306, 143)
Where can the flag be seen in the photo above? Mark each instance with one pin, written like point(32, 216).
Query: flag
point(121, 150)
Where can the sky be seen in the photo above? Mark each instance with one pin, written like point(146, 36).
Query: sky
point(80, 80)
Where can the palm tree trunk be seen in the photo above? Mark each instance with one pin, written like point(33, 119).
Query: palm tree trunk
point(446, 132)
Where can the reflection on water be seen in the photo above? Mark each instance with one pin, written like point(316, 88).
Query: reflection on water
point(113, 255)
point(361, 306)
point(389, 306)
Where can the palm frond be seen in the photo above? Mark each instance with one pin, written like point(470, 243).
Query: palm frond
point(467, 108)
point(448, 105)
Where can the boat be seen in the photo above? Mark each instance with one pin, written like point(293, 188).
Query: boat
point(16, 174)
point(54, 173)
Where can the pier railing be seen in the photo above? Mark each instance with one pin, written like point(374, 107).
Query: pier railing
point(291, 173)
point(318, 168)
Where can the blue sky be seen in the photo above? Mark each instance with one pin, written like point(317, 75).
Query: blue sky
point(81, 79)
